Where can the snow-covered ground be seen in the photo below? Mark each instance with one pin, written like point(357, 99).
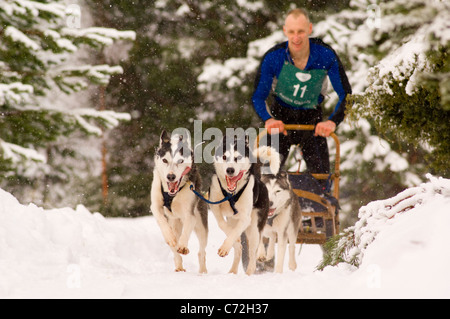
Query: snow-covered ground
point(66, 253)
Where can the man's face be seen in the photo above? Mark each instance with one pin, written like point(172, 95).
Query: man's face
point(297, 30)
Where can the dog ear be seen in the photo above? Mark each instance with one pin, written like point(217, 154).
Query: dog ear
point(282, 174)
point(165, 138)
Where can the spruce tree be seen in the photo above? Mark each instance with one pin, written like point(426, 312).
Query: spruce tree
point(408, 90)
point(38, 42)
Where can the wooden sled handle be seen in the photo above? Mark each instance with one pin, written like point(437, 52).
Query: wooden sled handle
point(303, 127)
point(299, 127)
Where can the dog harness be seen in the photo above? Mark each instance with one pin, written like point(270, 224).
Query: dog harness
point(169, 198)
point(232, 198)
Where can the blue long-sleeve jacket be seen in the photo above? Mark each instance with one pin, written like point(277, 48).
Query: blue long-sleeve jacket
point(321, 56)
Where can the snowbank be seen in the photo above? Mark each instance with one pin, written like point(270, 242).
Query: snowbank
point(67, 253)
point(409, 244)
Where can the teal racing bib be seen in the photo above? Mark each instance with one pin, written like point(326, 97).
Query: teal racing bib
point(298, 88)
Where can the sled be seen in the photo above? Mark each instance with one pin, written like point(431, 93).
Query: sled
point(318, 196)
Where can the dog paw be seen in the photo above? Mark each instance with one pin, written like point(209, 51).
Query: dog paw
point(180, 270)
point(279, 269)
point(223, 251)
point(183, 250)
point(233, 271)
point(250, 270)
point(262, 258)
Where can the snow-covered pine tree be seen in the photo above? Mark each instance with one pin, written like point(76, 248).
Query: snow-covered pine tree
point(37, 41)
point(376, 163)
point(408, 89)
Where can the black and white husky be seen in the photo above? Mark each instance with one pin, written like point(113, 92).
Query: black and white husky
point(283, 221)
point(245, 202)
point(176, 208)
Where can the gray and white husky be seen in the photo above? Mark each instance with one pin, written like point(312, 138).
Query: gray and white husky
point(237, 179)
point(176, 208)
point(283, 221)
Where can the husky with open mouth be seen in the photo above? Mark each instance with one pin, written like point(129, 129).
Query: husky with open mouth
point(283, 221)
point(243, 199)
point(176, 208)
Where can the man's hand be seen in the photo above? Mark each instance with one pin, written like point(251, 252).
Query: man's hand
point(324, 128)
point(272, 125)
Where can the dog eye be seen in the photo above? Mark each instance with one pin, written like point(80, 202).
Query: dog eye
point(238, 158)
point(165, 161)
point(180, 161)
point(224, 157)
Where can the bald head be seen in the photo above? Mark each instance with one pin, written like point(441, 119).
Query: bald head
point(295, 13)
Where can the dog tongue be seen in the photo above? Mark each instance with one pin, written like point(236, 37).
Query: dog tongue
point(232, 181)
point(173, 187)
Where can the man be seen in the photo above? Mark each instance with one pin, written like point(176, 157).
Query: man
point(296, 72)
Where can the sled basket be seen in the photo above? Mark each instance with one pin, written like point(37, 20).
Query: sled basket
point(319, 210)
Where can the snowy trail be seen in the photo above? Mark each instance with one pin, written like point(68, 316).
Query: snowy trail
point(66, 253)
